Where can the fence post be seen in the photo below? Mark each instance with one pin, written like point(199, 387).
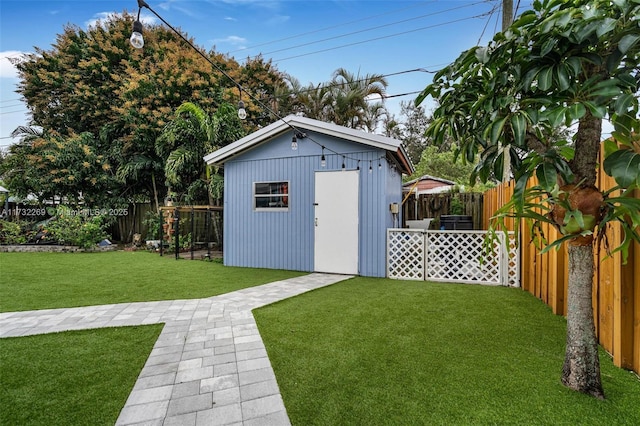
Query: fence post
point(161, 231)
point(193, 231)
point(207, 226)
point(176, 232)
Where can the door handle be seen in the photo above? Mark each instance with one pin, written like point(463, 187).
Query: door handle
point(316, 221)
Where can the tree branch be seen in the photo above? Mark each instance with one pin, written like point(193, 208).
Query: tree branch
point(535, 144)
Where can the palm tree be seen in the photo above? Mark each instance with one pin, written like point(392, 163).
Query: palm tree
point(186, 140)
point(351, 94)
point(316, 101)
point(374, 114)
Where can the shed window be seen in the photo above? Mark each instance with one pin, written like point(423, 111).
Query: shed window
point(271, 195)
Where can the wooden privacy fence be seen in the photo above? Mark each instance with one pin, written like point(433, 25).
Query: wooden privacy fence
point(131, 223)
point(138, 216)
point(434, 205)
point(616, 286)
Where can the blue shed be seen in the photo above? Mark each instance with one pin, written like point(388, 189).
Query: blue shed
point(302, 194)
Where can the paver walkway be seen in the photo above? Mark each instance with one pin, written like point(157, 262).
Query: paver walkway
point(209, 365)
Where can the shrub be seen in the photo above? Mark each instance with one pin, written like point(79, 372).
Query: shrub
point(11, 233)
point(185, 243)
point(152, 223)
point(79, 230)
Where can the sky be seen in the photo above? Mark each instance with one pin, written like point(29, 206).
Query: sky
point(404, 40)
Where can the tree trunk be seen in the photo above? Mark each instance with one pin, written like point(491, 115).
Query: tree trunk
point(581, 369)
point(155, 191)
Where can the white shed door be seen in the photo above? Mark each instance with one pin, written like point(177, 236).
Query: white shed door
point(336, 222)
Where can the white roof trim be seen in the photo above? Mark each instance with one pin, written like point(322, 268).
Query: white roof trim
point(303, 123)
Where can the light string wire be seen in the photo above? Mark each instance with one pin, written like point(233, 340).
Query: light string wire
point(373, 29)
point(143, 4)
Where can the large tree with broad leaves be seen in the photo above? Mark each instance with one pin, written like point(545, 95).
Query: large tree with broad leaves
point(185, 140)
point(565, 63)
point(93, 80)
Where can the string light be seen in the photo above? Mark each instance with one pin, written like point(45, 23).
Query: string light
point(242, 113)
point(138, 42)
point(370, 168)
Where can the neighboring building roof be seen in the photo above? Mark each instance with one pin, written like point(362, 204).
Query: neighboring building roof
point(393, 146)
point(428, 185)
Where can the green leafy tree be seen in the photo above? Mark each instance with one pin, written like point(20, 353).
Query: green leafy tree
point(413, 130)
point(345, 100)
point(186, 140)
point(94, 81)
point(564, 63)
point(350, 96)
point(17, 170)
point(373, 115)
point(70, 168)
point(443, 164)
point(315, 101)
point(264, 84)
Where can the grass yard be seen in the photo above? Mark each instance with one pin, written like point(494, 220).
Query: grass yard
point(62, 280)
point(385, 352)
point(71, 378)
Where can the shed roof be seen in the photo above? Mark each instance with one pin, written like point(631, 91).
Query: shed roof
point(393, 146)
point(427, 185)
point(429, 178)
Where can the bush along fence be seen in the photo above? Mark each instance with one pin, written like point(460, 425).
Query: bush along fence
point(616, 286)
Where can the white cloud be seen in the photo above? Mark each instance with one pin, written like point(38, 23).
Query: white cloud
point(232, 40)
point(97, 19)
point(7, 69)
point(148, 19)
point(229, 18)
point(179, 6)
point(100, 17)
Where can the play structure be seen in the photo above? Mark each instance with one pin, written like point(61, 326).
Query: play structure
point(190, 229)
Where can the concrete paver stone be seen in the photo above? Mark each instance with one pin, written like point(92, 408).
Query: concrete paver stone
point(209, 365)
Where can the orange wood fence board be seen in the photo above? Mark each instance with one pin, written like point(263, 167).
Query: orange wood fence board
point(616, 287)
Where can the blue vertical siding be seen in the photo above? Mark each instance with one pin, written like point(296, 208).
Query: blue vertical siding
point(285, 239)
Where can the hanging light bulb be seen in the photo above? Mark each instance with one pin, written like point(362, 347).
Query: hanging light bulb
point(379, 165)
point(323, 160)
point(136, 39)
point(343, 165)
point(370, 168)
point(242, 113)
point(294, 143)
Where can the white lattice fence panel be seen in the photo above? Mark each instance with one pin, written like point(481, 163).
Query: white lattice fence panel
point(513, 260)
point(460, 256)
point(405, 254)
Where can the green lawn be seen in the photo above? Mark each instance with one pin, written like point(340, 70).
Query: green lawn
point(62, 280)
point(384, 352)
point(85, 377)
point(361, 352)
point(71, 378)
